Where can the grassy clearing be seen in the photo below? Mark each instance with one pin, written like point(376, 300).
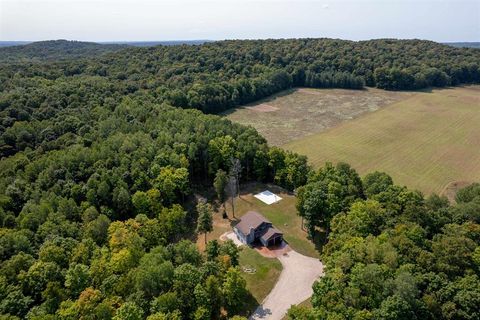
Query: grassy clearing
point(425, 142)
point(282, 214)
point(295, 113)
point(263, 280)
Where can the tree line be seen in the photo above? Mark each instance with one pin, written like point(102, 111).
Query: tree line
point(211, 77)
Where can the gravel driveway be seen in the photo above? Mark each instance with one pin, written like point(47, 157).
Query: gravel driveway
point(293, 287)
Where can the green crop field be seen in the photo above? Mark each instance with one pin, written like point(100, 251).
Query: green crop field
point(427, 141)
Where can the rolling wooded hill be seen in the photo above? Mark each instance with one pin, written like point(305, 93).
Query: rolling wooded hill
point(100, 156)
point(54, 50)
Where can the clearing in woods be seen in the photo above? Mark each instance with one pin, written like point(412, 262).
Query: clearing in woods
point(283, 215)
point(429, 141)
point(295, 113)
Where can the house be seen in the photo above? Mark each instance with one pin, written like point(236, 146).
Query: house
point(253, 227)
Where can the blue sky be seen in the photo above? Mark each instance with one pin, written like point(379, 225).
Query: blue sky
point(138, 20)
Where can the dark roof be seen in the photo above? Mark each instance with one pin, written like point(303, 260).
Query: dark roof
point(250, 220)
point(271, 232)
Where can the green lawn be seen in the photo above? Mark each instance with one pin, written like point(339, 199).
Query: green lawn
point(282, 214)
point(263, 280)
point(424, 142)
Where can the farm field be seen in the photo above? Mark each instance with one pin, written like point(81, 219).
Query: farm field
point(296, 113)
point(429, 141)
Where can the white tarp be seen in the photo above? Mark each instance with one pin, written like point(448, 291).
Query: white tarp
point(268, 197)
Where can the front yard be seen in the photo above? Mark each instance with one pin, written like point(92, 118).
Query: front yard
point(260, 273)
point(282, 214)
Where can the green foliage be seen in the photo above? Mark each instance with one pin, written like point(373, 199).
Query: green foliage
point(300, 313)
point(176, 315)
point(393, 308)
point(12, 300)
point(376, 182)
point(165, 303)
point(220, 183)
point(172, 220)
point(396, 255)
point(128, 311)
point(205, 219)
point(329, 191)
point(234, 290)
point(171, 182)
point(148, 202)
point(221, 150)
point(230, 249)
point(153, 275)
point(212, 249)
point(57, 49)
point(469, 193)
point(100, 154)
point(77, 279)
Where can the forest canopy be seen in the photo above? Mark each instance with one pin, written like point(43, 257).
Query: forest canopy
point(41, 101)
point(392, 254)
point(101, 155)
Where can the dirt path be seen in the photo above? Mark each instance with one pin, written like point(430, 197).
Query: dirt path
point(293, 287)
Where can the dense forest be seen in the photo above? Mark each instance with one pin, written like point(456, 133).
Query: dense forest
point(475, 45)
point(55, 50)
point(87, 222)
point(103, 155)
point(38, 97)
point(392, 254)
point(25, 51)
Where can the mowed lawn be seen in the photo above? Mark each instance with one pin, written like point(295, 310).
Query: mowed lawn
point(264, 276)
point(282, 214)
point(424, 142)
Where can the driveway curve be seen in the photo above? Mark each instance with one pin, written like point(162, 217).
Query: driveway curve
point(293, 286)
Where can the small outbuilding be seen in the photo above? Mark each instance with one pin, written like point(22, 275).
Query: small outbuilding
point(253, 227)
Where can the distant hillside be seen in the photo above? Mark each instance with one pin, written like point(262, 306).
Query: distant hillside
point(56, 50)
point(13, 43)
point(475, 45)
point(158, 43)
point(219, 75)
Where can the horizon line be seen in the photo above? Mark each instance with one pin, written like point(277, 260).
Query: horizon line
point(234, 39)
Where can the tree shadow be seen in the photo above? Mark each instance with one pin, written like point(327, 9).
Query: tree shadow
point(319, 240)
point(257, 187)
point(250, 305)
point(263, 100)
point(233, 221)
